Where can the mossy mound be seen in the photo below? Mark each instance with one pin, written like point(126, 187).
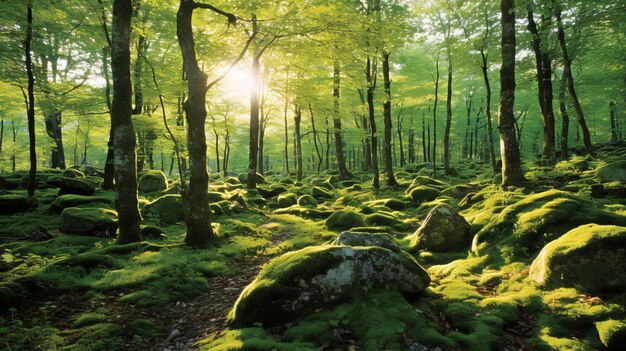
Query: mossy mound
point(73, 173)
point(71, 185)
point(432, 182)
point(286, 200)
point(383, 219)
point(423, 193)
point(612, 333)
point(300, 282)
point(591, 258)
point(353, 238)
point(443, 230)
point(167, 209)
point(307, 200)
point(321, 193)
point(243, 178)
point(304, 212)
point(612, 172)
point(152, 181)
point(459, 191)
point(88, 221)
point(70, 200)
point(344, 220)
point(152, 232)
point(14, 203)
point(215, 196)
point(272, 191)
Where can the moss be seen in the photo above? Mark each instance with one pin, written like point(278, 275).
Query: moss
point(458, 291)
point(143, 327)
point(288, 199)
point(383, 219)
point(72, 200)
point(152, 181)
point(611, 172)
point(88, 221)
point(251, 339)
point(73, 173)
point(87, 319)
point(98, 337)
point(307, 200)
point(344, 220)
point(167, 209)
point(320, 193)
point(612, 333)
point(423, 193)
point(14, 203)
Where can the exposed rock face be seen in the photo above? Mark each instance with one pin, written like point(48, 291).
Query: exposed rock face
point(88, 221)
point(367, 239)
point(152, 181)
point(591, 258)
point(443, 230)
point(72, 186)
point(167, 209)
point(299, 282)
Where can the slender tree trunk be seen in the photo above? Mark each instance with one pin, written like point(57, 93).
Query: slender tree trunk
point(127, 202)
point(320, 156)
point(399, 121)
point(446, 134)
point(30, 101)
point(217, 146)
point(286, 145)
point(298, 141)
point(327, 165)
point(612, 117)
point(567, 71)
point(388, 161)
point(197, 210)
point(253, 145)
point(109, 167)
point(434, 154)
point(142, 45)
point(341, 161)
point(1, 132)
point(425, 151)
point(511, 168)
point(564, 119)
point(411, 138)
point(485, 70)
point(14, 133)
point(371, 86)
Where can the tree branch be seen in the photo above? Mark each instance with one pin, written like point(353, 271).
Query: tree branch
point(232, 19)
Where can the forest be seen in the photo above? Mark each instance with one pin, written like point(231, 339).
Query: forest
point(423, 175)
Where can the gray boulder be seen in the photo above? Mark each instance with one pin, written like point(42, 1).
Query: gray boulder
point(383, 240)
point(300, 282)
point(443, 230)
point(591, 258)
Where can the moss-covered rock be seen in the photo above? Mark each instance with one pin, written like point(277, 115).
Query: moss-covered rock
point(300, 282)
point(612, 172)
point(167, 209)
point(286, 200)
point(71, 200)
point(423, 193)
point(344, 220)
point(71, 185)
point(216, 196)
point(14, 203)
point(73, 173)
point(307, 200)
point(612, 333)
point(443, 230)
point(88, 221)
point(350, 238)
point(152, 232)
point(151, 181)
point(591, 258)
point(243, 178)
point(383, 219)
point(321, 193)
point(272, 191)
point(458, 191)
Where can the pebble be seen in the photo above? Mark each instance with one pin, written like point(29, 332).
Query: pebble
point(173, 335)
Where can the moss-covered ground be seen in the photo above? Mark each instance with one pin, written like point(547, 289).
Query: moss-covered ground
point(66, 292)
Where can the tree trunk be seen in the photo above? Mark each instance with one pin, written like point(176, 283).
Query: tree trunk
point(614, 134)
point(391, 179)
point(485, 70)
point(341, 161)
point(446, 134)
point(298, 142)
point(371, 86)
point(197, 210)
point(320, 155)
point(126, 199)
point(399, 121)
point(253, 146)
point(109, 168)
point(142, 45)
point(544, 85)
point(567, 71)
point(286, 145)
point(30, 101)
point(217, 146)
point(434, 154)
point(511, 168)
point(564, 118)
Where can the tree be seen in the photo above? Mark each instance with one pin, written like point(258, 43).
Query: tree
point(125, 158)
point(511, 167)
point(391, 179)
point(29, 100)
point(341, 162)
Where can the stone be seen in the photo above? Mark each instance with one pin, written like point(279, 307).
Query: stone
point(350, 238)
point(423, 193)
point(287, 200)
point(273, 191)
point(14, 203)
point(320, 193)
point(72, 186)
point(612, 172)
point(151, 181)
point(307, 200)
point(299, 282)
point(71, 200)
point(152, 232)
point(167, 209)
point(344, 220)
point(443, 230)
point(73, 173)
point(88, 221)
point(590, 258)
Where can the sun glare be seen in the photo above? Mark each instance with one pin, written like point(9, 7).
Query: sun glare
point(237, 84)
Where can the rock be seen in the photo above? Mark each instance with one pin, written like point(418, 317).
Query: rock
point(167, 209)
point(272, 191)
point(151, 181)
point(443, 230)
point(152, 232)
point(9, 184)
point(71, 200)
point(243, 178)
point(72, 186)
point(612, 333)
point(93, 171)
point(395, 204)
point(173, 335)
point(88, 221)
point(597, 191)
point(216, 196)
point(300, 282)
point(286, 200)
point(458, 192)
point(383, 219)
point(349, 238)
point(320, 193)
point(14, 203)
point(590, 258)
point(73, 173)
point(423, 193)
point(307, 200)
point(612, 172)
point(344, 220)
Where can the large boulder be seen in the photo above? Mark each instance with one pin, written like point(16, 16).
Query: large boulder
point(307, 200)
point(423, 193)
point(300, 282)
point(71, 200)
point(612, 172)
point(344, 220)
point(443, 230)
point(383, 240)
point(167, 209)
point(72, 186)
point(88, 221)
point(590, 258)
point(287, 200)
point(14, 203)
point(151, 181)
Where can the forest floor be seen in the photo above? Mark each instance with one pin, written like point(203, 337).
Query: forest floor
point(69, 292)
